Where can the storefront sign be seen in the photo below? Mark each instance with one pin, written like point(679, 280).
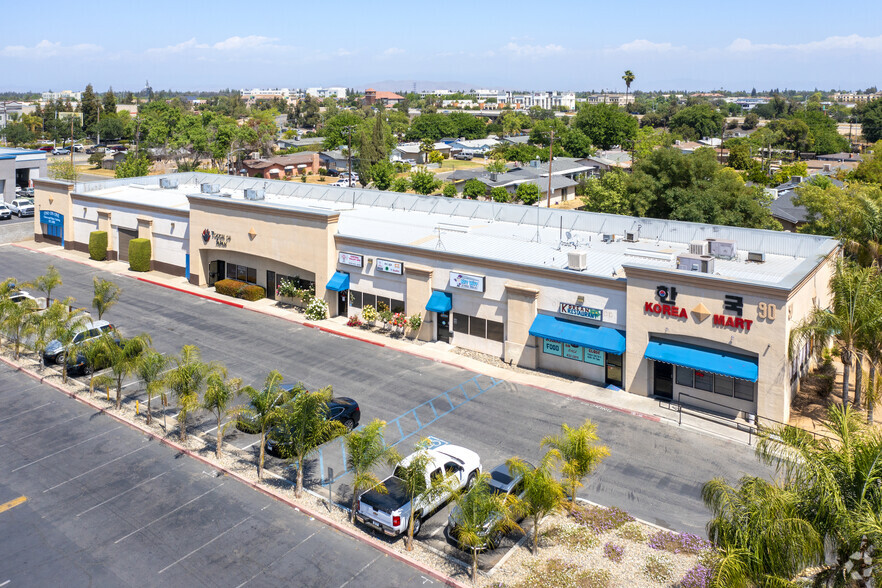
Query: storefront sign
point(467, 282)
point(594, 356)
point(391, 267)
point(51, 218)
point(664, 309)
point(572, 351)
point(350, 259)
point(552, 347)
point(581, 311)
point(219, 239)
point(736, 322)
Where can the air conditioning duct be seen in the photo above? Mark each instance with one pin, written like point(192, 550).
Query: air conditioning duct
point(698, 248)
point(577, 260)
point(210, 188)
point(254, 194)
point(721, 248)
point(756, 256)
point(168, 183)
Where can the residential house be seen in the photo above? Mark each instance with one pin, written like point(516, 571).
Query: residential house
point(283, 166)
point(840, 157)
point(412, 152)
point(111, 160)
point(336, 160)
point(784, 210)
point(336, 92)
point(372, 96)
point(474, 146)
point(603, 161)
point(299, 142)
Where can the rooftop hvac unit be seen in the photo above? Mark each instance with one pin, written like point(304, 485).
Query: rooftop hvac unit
point(756, 256)
point(698, 248)
point(577, 260)
point(632, 237)
point(722, 248)
point(608, 237)
point(168, 183)
point(210, 188)
point(696, 263)
point(225, 195)
point(252, 194)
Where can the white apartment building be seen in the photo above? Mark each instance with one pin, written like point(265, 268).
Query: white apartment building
point(64, 95)
point(336, 92)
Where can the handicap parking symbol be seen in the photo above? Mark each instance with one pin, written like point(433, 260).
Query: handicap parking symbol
point(435, 442)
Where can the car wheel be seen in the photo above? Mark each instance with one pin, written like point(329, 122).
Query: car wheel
point(59, 359)
point(417, 524)
point(471, 481)
point(349, 424)
point(87, 370)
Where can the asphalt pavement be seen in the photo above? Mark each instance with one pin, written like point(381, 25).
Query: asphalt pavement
point(88, 501)
point(655, 471)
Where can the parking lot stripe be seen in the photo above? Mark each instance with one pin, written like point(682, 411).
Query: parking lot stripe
point(95, 468)
point(124, 492)
point(174, 510)
point(5, 583)
point(358, 573)
point(204, 545)
point(65, 449)
point(24, 411)
point(281, 558)
point(13, 503)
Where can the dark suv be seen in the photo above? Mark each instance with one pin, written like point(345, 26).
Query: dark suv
point(343, 410)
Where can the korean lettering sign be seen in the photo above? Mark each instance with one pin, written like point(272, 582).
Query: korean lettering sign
point(581, 311)
point(390, 267)
point(572, 352)
point(467, 282)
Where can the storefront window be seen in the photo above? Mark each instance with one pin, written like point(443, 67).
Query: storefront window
point(383, 303)
point(495, 331)
point(684, 376)
point(397, 306)
point(460, 323)
point(241, 273)
point(369, 300)
point(704, 381)
point(355, 299)
point(744, 390)
point(477, 327)
point(724, 386)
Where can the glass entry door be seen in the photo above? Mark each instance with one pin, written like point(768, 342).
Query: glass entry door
point(444, 327)
point(216, 271)
point(663, 380)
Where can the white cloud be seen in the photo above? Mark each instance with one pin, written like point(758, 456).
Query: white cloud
point(393, 51)
point(838, 43)
point(179, 48)
point(249, 42)
point(532, 50)
point(643, 46)
point(47, 49)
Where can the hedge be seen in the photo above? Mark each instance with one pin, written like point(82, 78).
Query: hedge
point(98, 245)
point(139, 255)
point(238, 289)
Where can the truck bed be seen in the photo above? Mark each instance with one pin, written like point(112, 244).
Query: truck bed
point(395, 499)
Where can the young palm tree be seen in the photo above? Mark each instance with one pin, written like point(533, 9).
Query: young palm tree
point(305, 427)
point(106, 295)
point(149, 369)
point(578, 453)
point(628, 77)
point(19, 323)
point(47, 282)
point(121, 355)
point(7, 286)
point(474, 509)
point(187, 380)
point(264, 410)
point(413, 478)
point(846, 323)
point(216, 400)
point(45, 324)
point(365, 450)
point(72, 323)
point(543, 494)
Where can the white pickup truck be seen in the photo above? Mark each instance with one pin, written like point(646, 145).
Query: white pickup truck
point(390, 512)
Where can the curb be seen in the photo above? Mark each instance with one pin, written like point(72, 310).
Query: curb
point(446, 580)
point(176, 289)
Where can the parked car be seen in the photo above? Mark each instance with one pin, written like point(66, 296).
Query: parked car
point(19, 295)
point(333, 172)
point(345, 176)
point(463, 156)
point(389, 512)
point(22, 207)
point(24, 192)
point(501, 482)
point(55, 353)
point(47, 148)
point(5, 213)
point(344, 183)
point(61, 151)
point(79, 148)
point(343, 410)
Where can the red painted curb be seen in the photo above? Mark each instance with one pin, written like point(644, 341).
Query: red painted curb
point(175, 288)
point(446, 580)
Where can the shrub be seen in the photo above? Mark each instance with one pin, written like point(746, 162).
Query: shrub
point(600, 519)
point(98, 245)
point(614, 552)
point(474, 188)
point(251, 292)
point(386, 316)
point(678, 542)
point(449, 190)
point(399, 320)
point(369, 313)
point(528, 193)
point(701, 576)
point(414, 322)
point(228, 287)
point(500, 194)
point(632, 532)
point(659, 568)
point(572, 536)
point(317, 310)
point(139, 255)
point(354, 321)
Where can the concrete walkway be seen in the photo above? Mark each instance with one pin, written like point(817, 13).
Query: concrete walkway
point(607, 398)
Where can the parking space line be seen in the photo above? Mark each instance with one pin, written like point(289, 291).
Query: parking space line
point(204, 545)
point(358, 573)
point(174, 510)
point(95, 468)
point(250, 445)
point(66, 448)
point(5, 583)
point(281, 558)
point(125, 492)
point(24, 411)
point(13, 503)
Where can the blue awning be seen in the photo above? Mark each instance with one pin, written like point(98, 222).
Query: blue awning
point(339, 282)
point(703, 359)
point(591, 336)
point(439, 302)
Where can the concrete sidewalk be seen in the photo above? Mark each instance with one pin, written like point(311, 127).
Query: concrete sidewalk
point(606, 398)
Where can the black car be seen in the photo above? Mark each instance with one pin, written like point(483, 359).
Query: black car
point(343, 410)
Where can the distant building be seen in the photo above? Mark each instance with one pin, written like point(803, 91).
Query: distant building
point(617, 99)
point(282, 166)
point(337, 93)
point(252, 96)
point(372, 96)
point(64, 95)
point(855, 97)
point(748, 103)
point(18, 169)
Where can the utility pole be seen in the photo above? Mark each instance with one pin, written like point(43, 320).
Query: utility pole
point(550, 159)
point(348, 130)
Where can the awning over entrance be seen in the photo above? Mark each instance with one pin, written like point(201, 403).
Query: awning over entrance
point(339, 282)
point(439, 302)
point(593, 337)
point(703, 359)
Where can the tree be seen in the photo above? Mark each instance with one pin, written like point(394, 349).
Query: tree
point(90, 106)
point(474, 509)
point(47, 282)
point(606, 194)
point(497, 166)
point(72, 323)
point(449, 190)
point(578, 453)
point(365, 450)
point(383, 174)
point(106, 295)
point(430, 126)
point(605, 125)
point(825, 137)
point(870, 169)
point(871, 121)
point(400, 185)
point(121, 354)
point(17, 322)
point(149, 369)
point(751, 120)
point(794, 134)
point(18, 134)
point(695, 122)
point(187, 380)
point(628, 77)
point(500, 194)
point(45, 325)
point(412, 473)
point(63, 169)
point(435, 157)
point(474, 188)
point(527, 193)
point(134, 165)
point(305, 427)
point(543, 494)
point(108, 101)
point(219, 393)
point(424, 181)
point(265, 411)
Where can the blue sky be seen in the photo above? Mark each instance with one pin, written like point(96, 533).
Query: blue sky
point(566, 44)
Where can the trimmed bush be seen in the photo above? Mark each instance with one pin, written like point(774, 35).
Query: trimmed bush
point(98, 245)
point(237, 289)
point(139, 255)
point(228, 287)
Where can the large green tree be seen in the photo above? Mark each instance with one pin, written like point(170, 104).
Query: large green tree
point(696, 122)
point(871, 121)
point(606, 125)
point(90, 105)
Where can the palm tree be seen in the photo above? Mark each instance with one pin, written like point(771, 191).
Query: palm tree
point(149, 369)
point(474, 509)
point(628, 77)
point(264, 410)
point(121, 355)
point(365, 450)
point(543, 494)
point(45, 324)
point(413, 477)
point(846, 323)
point(7, 286)
point(18, 322)
point(218, 395)
point(305, 427)
point(47, 282)
point(106, 295)
point(187, 380)
point(578, 453)
point(72, 323)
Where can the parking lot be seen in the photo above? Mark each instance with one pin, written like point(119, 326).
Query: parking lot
point(87, 501)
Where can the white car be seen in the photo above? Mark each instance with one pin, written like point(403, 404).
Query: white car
point(344, 183)
point(78, 147)
point(5, 213)
point(22, 207)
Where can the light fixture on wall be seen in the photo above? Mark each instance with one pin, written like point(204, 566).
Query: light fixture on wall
point(172, 230)
point(580, 299)
point(731, 339)
point(252, 234)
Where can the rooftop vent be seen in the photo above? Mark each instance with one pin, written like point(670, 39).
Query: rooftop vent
point(210, 188)
point(252, 194)
point(756, 256)
point(168, 183)
point(699, 248)
point(696, 263)
point(722, 248)
point(577, 260)
point(632, 237)
point(608, 237)
point(493, 176)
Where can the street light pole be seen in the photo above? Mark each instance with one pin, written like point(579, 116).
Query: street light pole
point(348, 130)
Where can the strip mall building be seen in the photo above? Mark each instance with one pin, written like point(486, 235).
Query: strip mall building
point(695, 313)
